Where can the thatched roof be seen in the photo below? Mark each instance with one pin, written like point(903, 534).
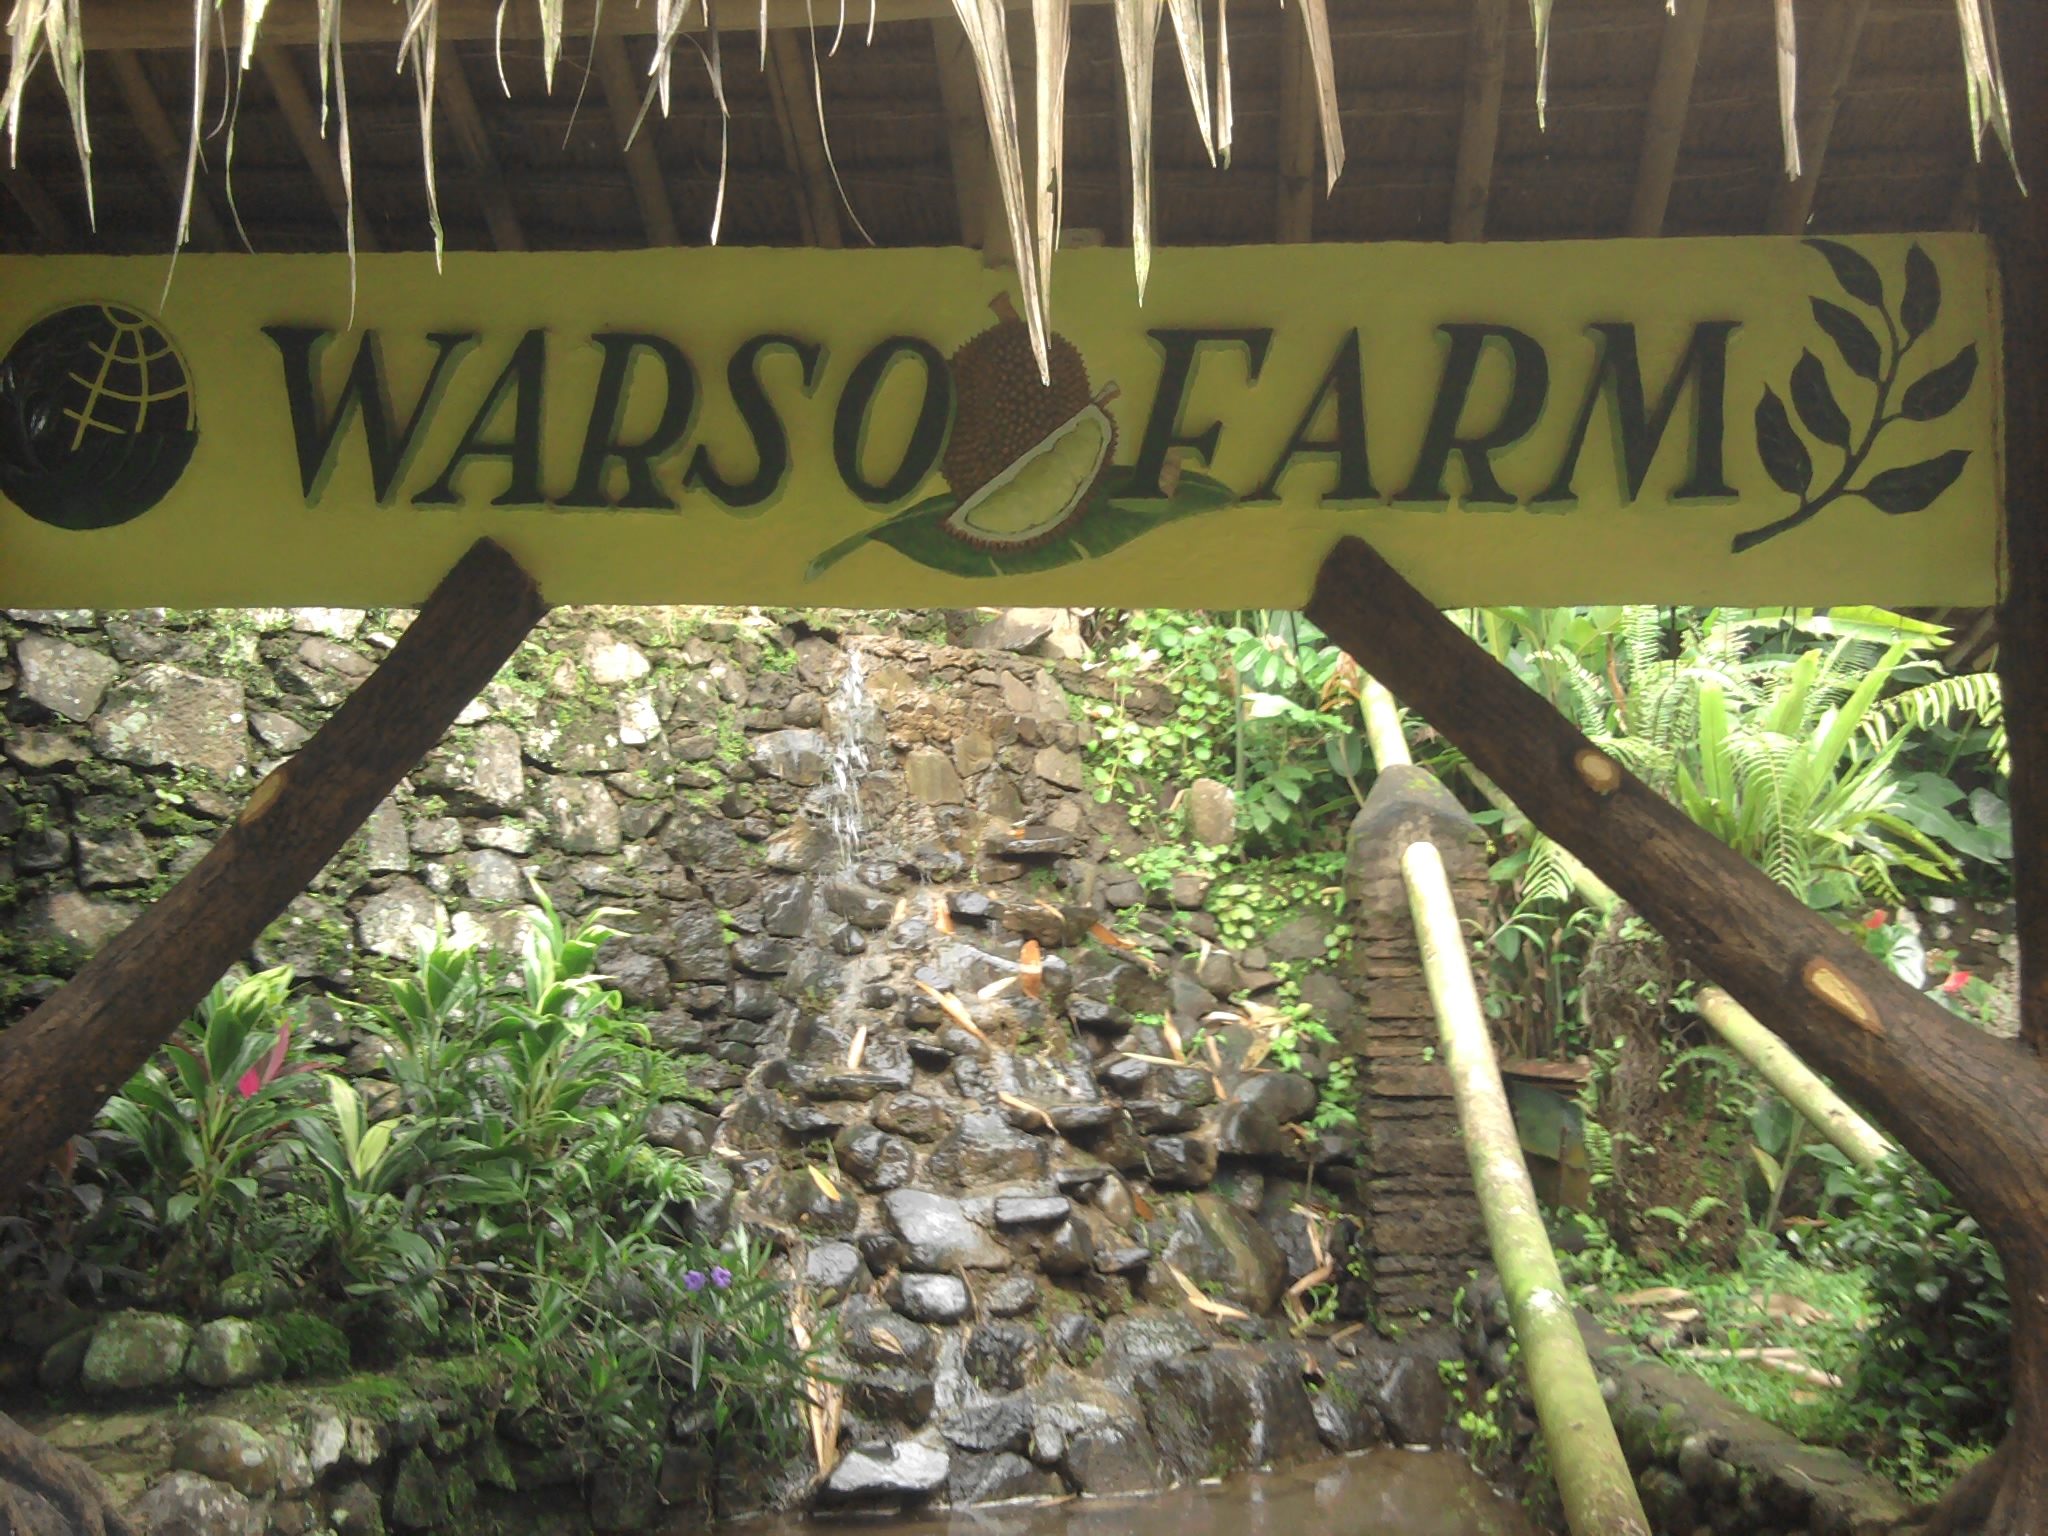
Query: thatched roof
point(1655, 123)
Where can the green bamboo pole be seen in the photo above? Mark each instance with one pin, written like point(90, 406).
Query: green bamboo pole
point(1593, 891)
point(1800, 1084)
point(1593, 1480)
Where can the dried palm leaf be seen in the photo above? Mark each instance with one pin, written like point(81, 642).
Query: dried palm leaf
point(420, 47)
point(1788, 86)
point(1225, 112)
point(825, 1185)
point(35, 28)
point(1315, 18)
point(1199, 1301)
point(942, 914)
point(202, 20)
point(988, 40)
point(955, 1010)
point(1984, 79)
point(1137, 41)
point(1026, 1107)
point(1194, 64)
point(853, 1052)
point(1031, 969)
point(1052, 32)
point(1539, 24)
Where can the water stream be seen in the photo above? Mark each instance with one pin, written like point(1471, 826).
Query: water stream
point(1379, 1493)
point(853, 723)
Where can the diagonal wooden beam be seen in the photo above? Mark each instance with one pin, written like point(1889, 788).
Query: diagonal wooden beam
point(473, 140)
point(1295, 217)
point(295, 105)
point(1834, 54)
point(51, 227)
point(966, 127)
point(624, 90)
point(1678, 58)
point(803, 140)
point(1486, 63)
point(165, 145)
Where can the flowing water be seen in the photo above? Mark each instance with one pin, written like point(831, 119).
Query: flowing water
point(853, 723)
point(1380, 1493)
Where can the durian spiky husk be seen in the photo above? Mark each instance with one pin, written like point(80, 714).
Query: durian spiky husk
point(1001, 411)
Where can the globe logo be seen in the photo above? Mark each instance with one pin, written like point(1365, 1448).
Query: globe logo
point(96, 417)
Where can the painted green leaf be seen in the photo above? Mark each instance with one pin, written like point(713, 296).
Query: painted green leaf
point(1784, 455)
point(1851, 336)
point(1923, 293)
point(1937, 393)
point(1108, 522)
point(1814, 399)
point(1853, 271)
point(1915, 487)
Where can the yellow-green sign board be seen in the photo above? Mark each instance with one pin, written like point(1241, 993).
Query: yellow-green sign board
point(1746, 421)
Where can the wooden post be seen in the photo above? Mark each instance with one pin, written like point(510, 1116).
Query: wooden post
point(60, 1063)
point(1972, 1108)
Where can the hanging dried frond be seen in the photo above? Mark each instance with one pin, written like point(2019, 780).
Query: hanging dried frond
point(1224, 107)
point(1984, 80)
point(1788, 86)
point(1137, 40)
point(988, 40)
point(1194, 64)
point(1315, 17)
point(1539, 23)
point(1052, 31)
point(420, 49)
point(35, 28)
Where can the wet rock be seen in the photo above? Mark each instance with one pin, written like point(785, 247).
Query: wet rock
point(984, 1149)
point(164, 718)
point(797, 1198)
point(580, 814)
point(998, 1478)
point(1188, 890)
point(1120, 1260)
point(914, 1115)
point(681, 1128)
point(419, 1494)
point(1225, 1410)
point(231, 1352)
point(1113, 1459)
point(970, 906)
point(831, 1270)
point(1095, 1432)
point(930, 778)
point(1287, 1096)
point(1156, 1117)
point(1407, 1390)
point(878, 1160)
point(227, 1451)
point(1012, 1296)
point(42, 848)
point(118, 857)
point(1045, 925)
point(1346, 1416)
point(870, 1334)
point(752, 999)
point(1250, 1130)
point(1031, 1210)
point(905, 1471)
point(793, 756)
point(1224, 1251)
point(1211, 811)
point(696, 946)
point(797, 850)
point(932, 1298)
point(65, 679)
point(1070, 1250)
point(937, 1236)
point(860, 904)
point(903, 1397)
point(1059, 768)
point(1078, 1338)
point(187, 1504)
point(642, 980)
point(1098, 1017)
point(1217, 972)
point(1181, 1162)
point(135, 1351)
point(763, 955)
point(1135, 1340)
point(1301, 938)
point(1000, 1356)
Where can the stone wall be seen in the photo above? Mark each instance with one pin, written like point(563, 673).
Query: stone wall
point(1059, 1243)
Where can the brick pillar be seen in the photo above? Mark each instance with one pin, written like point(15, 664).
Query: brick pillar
point(1426, 1229)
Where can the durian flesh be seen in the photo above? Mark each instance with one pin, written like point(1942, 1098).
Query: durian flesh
point(1036, 496)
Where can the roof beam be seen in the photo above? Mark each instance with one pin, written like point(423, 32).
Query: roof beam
point(51, 227)
point(165, 147)
point(146, 24)
point(288, 88)
point(1678, 58)
point(1486, 63)
point(623, 95)
point(1834, 54)
point(474, 142)
point(966, 127)
point(1295, 219)
point(803, 138)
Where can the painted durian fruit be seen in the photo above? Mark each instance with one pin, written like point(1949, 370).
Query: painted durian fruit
point(1024, 457)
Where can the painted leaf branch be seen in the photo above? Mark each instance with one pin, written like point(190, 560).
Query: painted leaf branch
point(1786, 456)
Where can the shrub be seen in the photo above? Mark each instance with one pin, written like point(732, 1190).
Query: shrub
point(1938, 1357)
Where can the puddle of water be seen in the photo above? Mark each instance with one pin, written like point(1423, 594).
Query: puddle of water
point(1379, 1493)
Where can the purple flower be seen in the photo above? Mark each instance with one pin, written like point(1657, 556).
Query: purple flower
point(721, 1276)
point(693, 1280)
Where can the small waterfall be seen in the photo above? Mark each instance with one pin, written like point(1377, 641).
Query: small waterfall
point(853, 722)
